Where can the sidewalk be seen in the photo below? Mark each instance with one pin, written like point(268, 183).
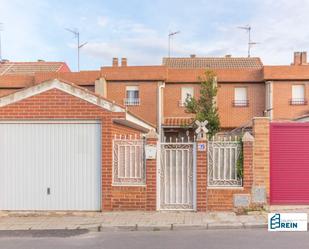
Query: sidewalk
point(113, 221)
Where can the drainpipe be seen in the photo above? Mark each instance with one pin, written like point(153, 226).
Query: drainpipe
point(269, 99)
point(161, 85)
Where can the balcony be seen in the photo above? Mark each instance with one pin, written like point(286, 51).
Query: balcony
point(240, 103)
point(131, 102)
point(300, 101)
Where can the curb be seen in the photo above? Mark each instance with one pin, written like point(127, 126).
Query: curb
point(171, 227)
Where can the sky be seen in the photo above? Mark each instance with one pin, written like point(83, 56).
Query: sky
point(138, 30)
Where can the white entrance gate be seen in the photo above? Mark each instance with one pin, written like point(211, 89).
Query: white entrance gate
point(177, 176)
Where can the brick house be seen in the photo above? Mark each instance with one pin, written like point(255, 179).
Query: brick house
point(151, 97)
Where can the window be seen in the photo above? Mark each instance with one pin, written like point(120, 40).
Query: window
point(186, 93)
point(298, 95)
point(240, 96)
point(132, 96)
point(128, 162)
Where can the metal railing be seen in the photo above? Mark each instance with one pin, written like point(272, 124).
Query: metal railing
point(240, 103)
point(128, 161)
point(298, 101)
point(131, 102)
point(222, 159)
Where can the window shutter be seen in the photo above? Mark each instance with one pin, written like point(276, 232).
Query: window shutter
point(298, 92)
point(240, 94)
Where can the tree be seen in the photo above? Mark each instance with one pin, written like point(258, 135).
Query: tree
point(204, 108)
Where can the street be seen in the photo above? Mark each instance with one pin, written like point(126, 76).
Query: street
point(197, 239)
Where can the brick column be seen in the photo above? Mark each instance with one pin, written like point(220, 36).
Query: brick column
point(248, 141)
point(201, 175)
point(151, 174)
point(261, 154)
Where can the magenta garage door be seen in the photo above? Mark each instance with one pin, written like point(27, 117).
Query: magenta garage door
point(289, 163)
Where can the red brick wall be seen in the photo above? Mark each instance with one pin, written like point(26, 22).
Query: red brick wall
point(230, 116)
point(116, 91)
point(282, 93)
point(55, 104)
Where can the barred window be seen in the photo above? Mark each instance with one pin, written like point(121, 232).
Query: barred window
point(128, 162)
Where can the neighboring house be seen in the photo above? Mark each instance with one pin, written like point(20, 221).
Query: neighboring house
point(288, 89)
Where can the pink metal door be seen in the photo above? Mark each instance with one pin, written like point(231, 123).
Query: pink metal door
point(289, 163)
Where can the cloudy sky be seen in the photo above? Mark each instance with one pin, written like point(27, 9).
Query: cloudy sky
point(35, 29)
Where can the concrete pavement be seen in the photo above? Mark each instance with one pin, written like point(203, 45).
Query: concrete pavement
point(142, 221)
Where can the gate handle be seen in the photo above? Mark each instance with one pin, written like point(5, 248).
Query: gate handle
point(48, 191)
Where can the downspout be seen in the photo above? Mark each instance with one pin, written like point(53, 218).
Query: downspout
point(269, 99)
point(161, 85)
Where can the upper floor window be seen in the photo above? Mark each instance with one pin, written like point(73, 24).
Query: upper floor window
point(298, 95)
point(241, 96)
point(132, 96)
point(186, 94)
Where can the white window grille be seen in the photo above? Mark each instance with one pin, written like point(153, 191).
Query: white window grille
point(128, 162)
point(298, 95)
point(240, 96)
point(186, 93)
point(132, 96)
point(222, 159)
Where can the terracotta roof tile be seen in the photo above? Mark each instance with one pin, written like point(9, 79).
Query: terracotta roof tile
point(29, 68)
point(134, 73)
point(16, 81)
point(213, 62)
point(223, 75)
point(178, 121)
point(299, 72)
point(79, 78)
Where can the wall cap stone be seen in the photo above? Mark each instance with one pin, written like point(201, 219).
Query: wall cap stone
point(247, 137)
point(151, 134)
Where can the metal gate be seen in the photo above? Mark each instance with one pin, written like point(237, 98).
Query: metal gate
point(177, 173)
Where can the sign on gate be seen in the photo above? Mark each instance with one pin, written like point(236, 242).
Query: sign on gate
point(201, 146)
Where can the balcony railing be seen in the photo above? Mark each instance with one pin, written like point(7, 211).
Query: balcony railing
point(129, 101)
point(240, 103)
point(298, 101)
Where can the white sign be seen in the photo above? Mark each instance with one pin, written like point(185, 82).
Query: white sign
point(287, 222)
point(201, 146)
point(150, 151)
point(201, 127)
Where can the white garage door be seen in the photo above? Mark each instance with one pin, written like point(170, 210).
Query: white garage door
point(50, 165)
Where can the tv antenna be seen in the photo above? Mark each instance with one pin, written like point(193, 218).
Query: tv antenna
point(1, 29)
point(170, 36)
point(248, 28)
point(75, 32)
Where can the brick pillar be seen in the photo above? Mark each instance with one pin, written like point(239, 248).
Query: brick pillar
point(201, 174)
point(151, 174)
point(261, 154)
point(248, 141)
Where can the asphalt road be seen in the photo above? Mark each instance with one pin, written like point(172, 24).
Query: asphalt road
point(211, 239)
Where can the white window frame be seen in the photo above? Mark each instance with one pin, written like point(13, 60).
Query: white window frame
point(129, 100)
point(186, 92)
point(298, 95)
point(241, 99)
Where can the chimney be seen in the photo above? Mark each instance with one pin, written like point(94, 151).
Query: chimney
point(297, 58)
point(304, 58)
point(124, 62)
point(115, 62)
point(192, 55)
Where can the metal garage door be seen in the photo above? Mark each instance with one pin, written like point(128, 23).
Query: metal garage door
point(50, 165)
point(289, 163)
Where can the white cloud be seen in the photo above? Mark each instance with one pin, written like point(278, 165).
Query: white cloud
point(102, 21)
